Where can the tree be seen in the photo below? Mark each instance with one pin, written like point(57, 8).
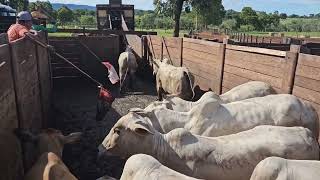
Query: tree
point(87, 20)
point(65, 15)
point(19, 5)
point(294, 16)
point(210, 12)
point(46, 5)
point(176, 6)
point(230, 24)
point(248, 16)
point(283, 16)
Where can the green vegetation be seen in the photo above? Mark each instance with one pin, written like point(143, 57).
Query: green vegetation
point(59, 34)
point(287, 34)
point(171, 16)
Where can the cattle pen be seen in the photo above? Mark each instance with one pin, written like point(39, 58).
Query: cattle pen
point(39, 90)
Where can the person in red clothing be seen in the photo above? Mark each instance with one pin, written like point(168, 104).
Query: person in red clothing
point(23, 25)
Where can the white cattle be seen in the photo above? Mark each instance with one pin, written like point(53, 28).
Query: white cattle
point(212, 118)
point(141, 166)
point(231, 157)
point(176, 81)
point(127, 66)
point(275, 168)
point(245, 91)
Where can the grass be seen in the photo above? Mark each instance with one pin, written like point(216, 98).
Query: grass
point(59, 34)
point(287, 34)
point(163, 32)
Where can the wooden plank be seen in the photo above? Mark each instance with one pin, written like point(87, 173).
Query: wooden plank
point(156, 40)
point(26, 83)
point(45, 80)
point(224, 89)
point(198, 68)
point(276, 82)
point(198, 56)
point(232, 59)
point(307, 83)
point(309, 60)
point(4, 38)
point(201, 48)
point(201, 42)
point(307, 94)
point(257, 50)
point(8, 108)
point(217, 87)
point(308, 72)
point(203, 83)
point(256, 58)
point(136, 43)
point(289, 68)
point(172, 41)
point(206, 64)
point(234, 78)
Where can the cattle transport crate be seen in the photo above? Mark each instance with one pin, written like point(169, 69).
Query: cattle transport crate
point(109, 15)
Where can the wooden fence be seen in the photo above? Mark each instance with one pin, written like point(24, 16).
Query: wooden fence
point(25, 84)
point(221, 67)
point(307, 79)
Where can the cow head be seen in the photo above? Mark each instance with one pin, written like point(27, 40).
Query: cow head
point(130, 135)
point(49, 140)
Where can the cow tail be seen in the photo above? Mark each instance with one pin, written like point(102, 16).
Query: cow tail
point(190, 83)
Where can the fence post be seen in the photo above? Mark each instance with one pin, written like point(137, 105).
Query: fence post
point(161, 55)
point(290, 68)
point(181, 51)
point(220, 66)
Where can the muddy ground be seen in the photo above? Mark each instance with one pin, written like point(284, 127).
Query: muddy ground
point(75, 110)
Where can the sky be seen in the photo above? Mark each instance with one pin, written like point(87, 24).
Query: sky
point(301, 7)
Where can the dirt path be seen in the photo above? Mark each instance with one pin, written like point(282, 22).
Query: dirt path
point(75, 110)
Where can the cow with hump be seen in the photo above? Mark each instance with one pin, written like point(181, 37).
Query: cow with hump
point(275, 168)
point(176, 81)
point(211, 118)
point(48, 151)
point(231, 157)
point(142, 166)
point(245, 91)
point(127, 67)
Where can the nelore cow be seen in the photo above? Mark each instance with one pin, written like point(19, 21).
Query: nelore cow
point(212, 118)
point(127, 67)
point(175, 81)
point(11, 166)
point(245, 91)
point(142, 166)
point(275, 168)
point(231, 157)
point(48, 150)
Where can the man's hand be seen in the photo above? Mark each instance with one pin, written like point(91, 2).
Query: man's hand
point(33, 32)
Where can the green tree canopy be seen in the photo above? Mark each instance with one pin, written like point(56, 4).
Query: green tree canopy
point(65, 15)
point(174, 9)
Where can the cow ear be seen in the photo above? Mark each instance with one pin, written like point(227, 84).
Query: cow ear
point(72, 138)
point(142, 128)
point(26, 135)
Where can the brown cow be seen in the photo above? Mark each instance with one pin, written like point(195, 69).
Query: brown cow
point(48, 152)
point(49, 167)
